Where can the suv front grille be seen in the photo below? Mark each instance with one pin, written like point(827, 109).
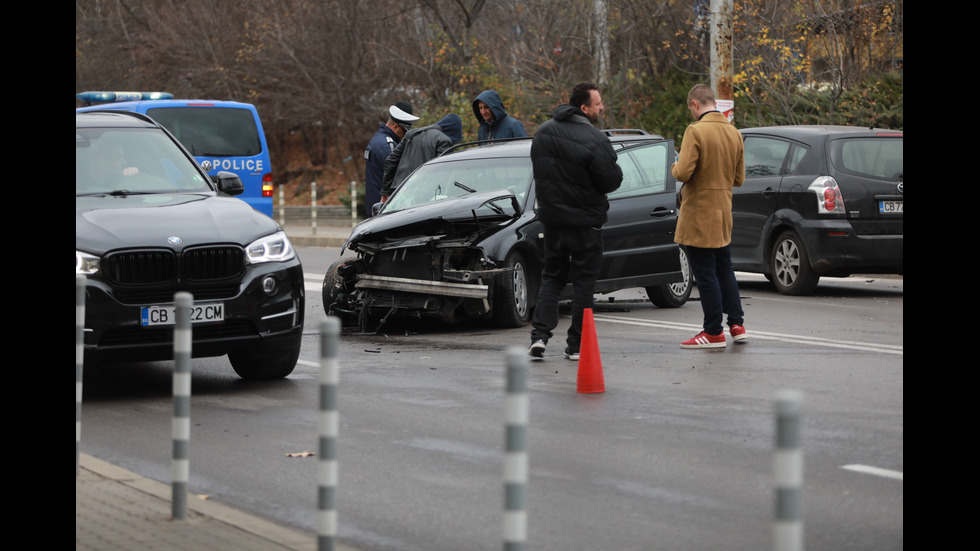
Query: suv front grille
point(147, 267)
point(154, 275)
point(162, 266)
point(211, 263)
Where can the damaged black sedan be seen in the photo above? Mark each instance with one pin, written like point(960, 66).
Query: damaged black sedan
point(459, 238)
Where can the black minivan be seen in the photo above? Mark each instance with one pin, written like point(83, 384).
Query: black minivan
point(819, 201)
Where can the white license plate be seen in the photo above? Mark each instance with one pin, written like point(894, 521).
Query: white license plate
point(890, 207)
point(166, 315)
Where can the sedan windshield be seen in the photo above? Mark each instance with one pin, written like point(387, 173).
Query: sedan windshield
point(122, 161)
point(440, 181)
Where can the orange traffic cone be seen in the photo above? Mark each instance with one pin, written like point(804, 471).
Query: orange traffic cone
point(590, 379)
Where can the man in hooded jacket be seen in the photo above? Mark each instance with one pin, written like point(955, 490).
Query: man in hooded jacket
point(494, 122)
point(417, 147)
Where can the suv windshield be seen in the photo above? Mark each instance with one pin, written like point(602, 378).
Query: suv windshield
point(213, 132)
point(440, 181)
point(128, 160)
point(880, 158)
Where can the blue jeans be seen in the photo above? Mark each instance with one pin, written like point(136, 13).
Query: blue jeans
point(570, 254)
point(715, 278)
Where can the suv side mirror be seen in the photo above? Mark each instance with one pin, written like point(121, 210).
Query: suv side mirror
point(229, 183)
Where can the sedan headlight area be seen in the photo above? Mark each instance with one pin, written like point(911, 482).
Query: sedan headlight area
point(272, 248)
point(86, 264)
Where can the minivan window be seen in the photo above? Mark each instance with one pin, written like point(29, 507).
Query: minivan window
point(872, 157)
point(218, 132)
point(764, 156)
point(795, 157)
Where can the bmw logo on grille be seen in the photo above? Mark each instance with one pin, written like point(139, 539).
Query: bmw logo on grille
point(173, 240)
point(901, 188)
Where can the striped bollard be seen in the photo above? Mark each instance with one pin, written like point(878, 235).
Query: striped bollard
point(313, 207)
point(353, 203)
point(515, 451)
point(328, 427)
point(788, 474)
point(79, 359)
point(180, 463)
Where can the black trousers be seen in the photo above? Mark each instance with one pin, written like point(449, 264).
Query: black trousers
point(571, 254)
point(717, 287)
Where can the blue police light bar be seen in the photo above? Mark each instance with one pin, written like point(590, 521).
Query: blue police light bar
point(107, 97)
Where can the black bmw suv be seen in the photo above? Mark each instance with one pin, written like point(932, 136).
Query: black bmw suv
point(819, 201)
point(149, 222)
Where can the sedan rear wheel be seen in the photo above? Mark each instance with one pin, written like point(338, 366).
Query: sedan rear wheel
point(790, 266)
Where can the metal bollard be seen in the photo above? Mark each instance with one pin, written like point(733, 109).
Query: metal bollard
point(80, 281)
point(353, 203)
point(328, 426)
point(788, 474)
point(282, 207)
point(313, 207)
point(515, 451)
point(180, 463)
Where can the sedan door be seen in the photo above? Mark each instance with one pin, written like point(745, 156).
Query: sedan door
point(638, 239)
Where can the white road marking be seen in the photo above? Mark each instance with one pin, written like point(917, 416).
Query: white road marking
point(761, 335)
point(877, 471)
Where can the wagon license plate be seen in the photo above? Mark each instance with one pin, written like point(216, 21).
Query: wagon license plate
point(167, 315)
point(890, 207)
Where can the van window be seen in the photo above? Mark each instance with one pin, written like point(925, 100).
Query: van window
point(217, 132)
point(764, 156)
point(881, 158)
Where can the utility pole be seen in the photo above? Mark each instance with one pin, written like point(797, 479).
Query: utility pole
point(601, 42)
point(722, 57)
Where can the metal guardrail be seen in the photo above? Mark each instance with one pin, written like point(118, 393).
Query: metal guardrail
point(332, 215)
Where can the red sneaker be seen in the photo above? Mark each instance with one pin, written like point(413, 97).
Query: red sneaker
point(738, 333)
point(704, 340)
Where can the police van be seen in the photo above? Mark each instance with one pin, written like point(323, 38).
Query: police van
point(222, 135)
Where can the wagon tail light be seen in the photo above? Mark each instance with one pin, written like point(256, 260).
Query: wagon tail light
point(829, 198)
point(267, 185)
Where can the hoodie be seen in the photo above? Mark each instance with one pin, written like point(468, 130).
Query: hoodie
point(502, 126)
point(418, 146)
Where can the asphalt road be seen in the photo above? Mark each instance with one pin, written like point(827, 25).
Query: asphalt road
point(676, 454)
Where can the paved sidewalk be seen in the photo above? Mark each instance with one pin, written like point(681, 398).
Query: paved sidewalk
point(117, 510)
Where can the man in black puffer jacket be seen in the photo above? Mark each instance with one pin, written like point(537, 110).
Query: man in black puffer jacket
point(574, 168)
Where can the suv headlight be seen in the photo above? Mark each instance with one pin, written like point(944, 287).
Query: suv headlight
point(272, 248)
point(86, 264)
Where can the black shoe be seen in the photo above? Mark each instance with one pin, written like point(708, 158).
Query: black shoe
point(536, 352)
point(571, 355)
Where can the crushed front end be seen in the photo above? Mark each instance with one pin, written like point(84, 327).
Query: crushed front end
point(428, 266)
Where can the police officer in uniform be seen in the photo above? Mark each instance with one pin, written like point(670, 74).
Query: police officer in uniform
point(400, 119)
